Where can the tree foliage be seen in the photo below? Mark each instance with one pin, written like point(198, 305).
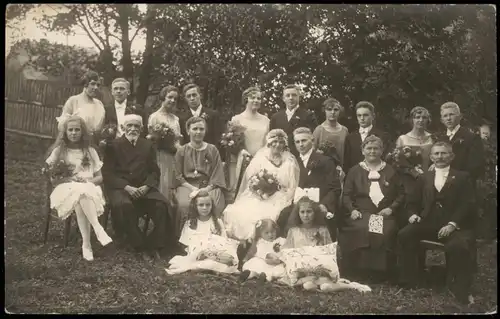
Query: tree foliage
point(396, 56)
point(69, 62)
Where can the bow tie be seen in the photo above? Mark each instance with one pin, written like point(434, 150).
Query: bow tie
point(449, 133)
point(120, 106)
point(363, 130)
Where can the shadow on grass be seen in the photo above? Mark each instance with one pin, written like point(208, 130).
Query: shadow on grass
point(49, 279)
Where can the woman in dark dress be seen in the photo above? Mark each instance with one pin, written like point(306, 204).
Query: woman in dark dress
point(371, 187)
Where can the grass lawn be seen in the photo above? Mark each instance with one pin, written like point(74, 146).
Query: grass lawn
point(49, 279)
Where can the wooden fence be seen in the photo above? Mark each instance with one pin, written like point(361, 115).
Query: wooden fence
point(31, 118)
point(47, 93)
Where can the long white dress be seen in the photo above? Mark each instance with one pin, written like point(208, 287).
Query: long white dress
point(193, 239)
point(248, 208)
point(258, 262)
point(65, 196)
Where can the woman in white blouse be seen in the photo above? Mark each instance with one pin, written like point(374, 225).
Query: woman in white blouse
point(169, 96)
point(256, 127)
point(85, 105)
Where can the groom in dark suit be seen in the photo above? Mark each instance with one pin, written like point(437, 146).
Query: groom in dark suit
point(215, 127)
point(114, 114)
point(293, 116)
point(442, 210)
point(131, 177)
point(316, 171)
point(365, 113)
point(467, 146)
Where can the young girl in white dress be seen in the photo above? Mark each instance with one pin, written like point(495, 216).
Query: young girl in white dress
point(80, 192)
point(261, 259)
point(202, 224)
point(307, 228)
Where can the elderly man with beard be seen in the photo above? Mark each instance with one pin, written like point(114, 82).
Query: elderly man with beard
point(131, 176)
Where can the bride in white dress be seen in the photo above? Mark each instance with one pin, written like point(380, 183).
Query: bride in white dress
point(240, 217)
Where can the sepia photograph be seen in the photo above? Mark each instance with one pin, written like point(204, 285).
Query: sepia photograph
point(243, 158)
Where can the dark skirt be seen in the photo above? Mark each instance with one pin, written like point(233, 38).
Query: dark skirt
point(365, 250)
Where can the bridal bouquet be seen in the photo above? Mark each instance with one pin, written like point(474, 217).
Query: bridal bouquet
point(264, 184)
point(233, 139)
point(163, 136)
point(59, 170)
point(406, 160)
point(108, 134)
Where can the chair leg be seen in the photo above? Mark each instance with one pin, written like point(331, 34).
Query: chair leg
point(146, 224)
point(67, 230)
point(106, 218)
point(46, 228)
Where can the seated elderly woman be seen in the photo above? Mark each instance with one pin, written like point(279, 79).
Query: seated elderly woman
point(372, 196)
point(198, 167)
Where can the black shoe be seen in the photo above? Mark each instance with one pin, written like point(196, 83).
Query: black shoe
point(244, 275)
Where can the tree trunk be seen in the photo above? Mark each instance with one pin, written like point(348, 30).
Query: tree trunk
point(123, 21)
point(106, 61)
point(147, 63)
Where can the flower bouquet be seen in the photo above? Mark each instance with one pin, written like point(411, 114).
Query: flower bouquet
point(264, 184)
point(108, 134)
point(164, 137)
point(59, 171)
point(233, 139)
point(327, 148)
point(406, 160)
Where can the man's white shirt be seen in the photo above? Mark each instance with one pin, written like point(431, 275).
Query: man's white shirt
point(290, 113)
point(120, 114)
point(197, 112)
point(363, 131)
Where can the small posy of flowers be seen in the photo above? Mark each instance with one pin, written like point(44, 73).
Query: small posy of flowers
point(163, 136)
point(406, 160)
point(233, 139)
point(86, 161)
point(59, 170)
point(264, 184)
point(328, 149)
point(204, 116)
point(108, 133)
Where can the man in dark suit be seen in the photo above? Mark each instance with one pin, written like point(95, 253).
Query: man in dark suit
point(316, 171)
point(114, 114)
point(467, 146)
point(131, 177)
point(215, 127)
point(293, 116)
point(365, 113)
point(442, 209)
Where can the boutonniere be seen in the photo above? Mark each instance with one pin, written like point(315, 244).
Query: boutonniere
point(207, 159)
point(459, 141)
point(385, 183)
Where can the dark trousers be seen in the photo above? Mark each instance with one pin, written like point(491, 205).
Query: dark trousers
point(125, 213)
point(459, 248)
point(283, 223)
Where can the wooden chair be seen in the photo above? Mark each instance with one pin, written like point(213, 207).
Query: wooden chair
point(67, 223)
point(426, 245)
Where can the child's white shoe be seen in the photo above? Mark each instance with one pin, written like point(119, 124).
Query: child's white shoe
point(87, 253)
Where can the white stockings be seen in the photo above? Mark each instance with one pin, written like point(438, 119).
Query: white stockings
point(86, 216)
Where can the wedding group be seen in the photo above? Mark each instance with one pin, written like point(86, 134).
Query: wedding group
point(273, 199)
